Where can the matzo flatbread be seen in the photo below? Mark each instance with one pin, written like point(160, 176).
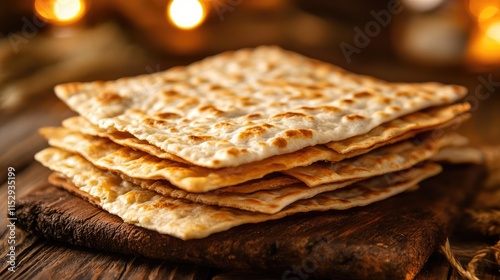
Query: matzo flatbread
point(200, 179)
point(268, 201)
point(244, 106)
point(419, 121)
point(108, 155)
point(82, 125)
point(264, 201)
point(399, 156)
point(188, 220)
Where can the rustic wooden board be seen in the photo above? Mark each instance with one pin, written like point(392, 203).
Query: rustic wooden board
point(390, 239)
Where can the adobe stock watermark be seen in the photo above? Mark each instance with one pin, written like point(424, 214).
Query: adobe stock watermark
point(482, 91)
point(11, 214)
point(363, 37)
point(29, 30)
point(222, 7)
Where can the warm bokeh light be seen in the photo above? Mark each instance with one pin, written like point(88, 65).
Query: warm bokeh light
point(487, 13)
point(186, 14)
point(484, 45)
point(482, 9)
point(422, 5)
point(484, 50)
point(493, 31)
point(60, 11)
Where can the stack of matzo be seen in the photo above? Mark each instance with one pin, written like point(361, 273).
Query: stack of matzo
point(245, 137)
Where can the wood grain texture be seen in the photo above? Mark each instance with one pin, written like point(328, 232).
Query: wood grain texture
point(62, 261)
point(391, 239)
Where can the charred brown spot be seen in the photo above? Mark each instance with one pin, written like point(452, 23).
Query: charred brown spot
point(279, 142)
point(305, 108)
point(170, 93)
point(347, 101)
point(395, 108)
point(331, 109)
point(457, 88)
point(223, 125)
point(200, 80)
point(236, 76)
point(200, 138)
point(444, 99)
point(254, 130)
point(155, 122)
point(312, 87)
point(253, 116)
point(382, 114)
point(403, 94)
point(246, 101)
point(315, 94)
point(190, 102)
point(211, 109)
point(169, 80)
point(173, 130)
point(363, 94)
point(167, 115)
point(109, 97)
point(233, 151)
point(299, 133)
point(385, 100)
point(322, 85)
point(289, 115)
point(216, 87)
point(136, 111)
point(354, 117)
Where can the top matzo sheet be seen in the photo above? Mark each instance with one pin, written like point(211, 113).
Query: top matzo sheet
point(247, 105)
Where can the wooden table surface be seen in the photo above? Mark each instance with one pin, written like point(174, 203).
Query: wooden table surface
point(37, 258)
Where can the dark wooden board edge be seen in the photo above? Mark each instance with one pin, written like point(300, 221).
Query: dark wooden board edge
point(390, 239)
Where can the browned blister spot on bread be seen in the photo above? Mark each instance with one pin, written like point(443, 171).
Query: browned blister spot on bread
point(253, 116)
point(167, 115)
point(382, 114)
point(236, 151)
point(279, 142)
point(189, 102)
point(170, 93)
point(395, 108)
point(299, 133)
point(384, 100)
point(107, 97)
point(155, 122)
point(221, 125)
point(354, 117)
point(289, 115)
point(363, 94)
point(200, 138)
point(403, 94)
point(347, 101)
point(216, 87)
point(246, 101)
point(254, 131)
point(211, 109)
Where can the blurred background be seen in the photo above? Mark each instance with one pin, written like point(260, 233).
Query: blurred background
point(47, 42)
